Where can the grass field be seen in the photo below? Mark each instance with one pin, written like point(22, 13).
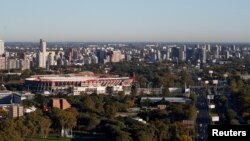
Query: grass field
point(56, 138)
point(51, 138)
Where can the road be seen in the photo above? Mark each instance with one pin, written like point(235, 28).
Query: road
point(203, 115)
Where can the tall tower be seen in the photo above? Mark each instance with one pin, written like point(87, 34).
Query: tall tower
point(217, 52)
point(42, 54)
point(182, 53)
point(204, 56)
point(42, 45)
point(1, 47)
point(227, 54)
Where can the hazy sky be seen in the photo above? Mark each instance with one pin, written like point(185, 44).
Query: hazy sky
point(125, 20)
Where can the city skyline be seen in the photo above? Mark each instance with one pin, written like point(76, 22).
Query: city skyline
point(125, 21)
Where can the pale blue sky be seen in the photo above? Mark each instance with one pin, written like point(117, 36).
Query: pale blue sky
point(125, 20)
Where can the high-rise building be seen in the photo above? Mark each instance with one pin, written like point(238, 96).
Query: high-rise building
point(12, 63)
point(227, 54)
point(94, 59)
point(168, 54)
point(1, 47)
point(238, 55)
point(25, 64)
point(75, 52)
point(175, 53)
point(217, 52)
point(234, 48)
point(42, 46)
point(116, 56)
point(42, 54)
point(101, 55)
point(2, 63)
point(204, 56)
point(182, 54)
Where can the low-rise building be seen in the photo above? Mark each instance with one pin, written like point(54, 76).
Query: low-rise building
point(60, 103)
point(15, 111)
point(168, 99)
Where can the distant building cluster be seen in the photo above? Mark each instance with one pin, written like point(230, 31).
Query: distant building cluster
point(13, 60)
point(102, 54)
point(58, 54)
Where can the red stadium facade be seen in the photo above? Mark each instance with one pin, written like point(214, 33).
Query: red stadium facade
point(75, 85)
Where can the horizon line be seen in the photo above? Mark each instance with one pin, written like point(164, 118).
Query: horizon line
point(238, 42)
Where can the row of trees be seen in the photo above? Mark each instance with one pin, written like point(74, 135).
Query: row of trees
point(241, 95)
point(158, 73)
point(97, 113)
point(227, 115)
point(34, 124)
point(157, 130)
point(38, 124)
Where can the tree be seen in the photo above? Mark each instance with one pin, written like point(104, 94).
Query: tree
point(3, 113)
point(26, 73)
point(165, 91)
point(66, 120)
point(123, 136)
point(223, 99)
point(173, 132)
point(8, 132)
point(142, 132)
point(193, 97)
point(234, 86)
point(231, 114)
point(186, 77)
point(144, 135)
point(88, 121)
point(115, 133)
point(158, 114)
point(40, 99)
point(234, 122)
point(248, 122)
point(88, 103)
point(32, 123)
point(130, 102)
point(161, 130)
point(177, 130)
point(142, 81)
point(44, 126)
point(21, 127)
point(185, 138)
point(110, 110)
point(192, 113)
point(146, 103)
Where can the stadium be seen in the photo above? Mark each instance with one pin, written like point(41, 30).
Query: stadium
point(76, 84)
